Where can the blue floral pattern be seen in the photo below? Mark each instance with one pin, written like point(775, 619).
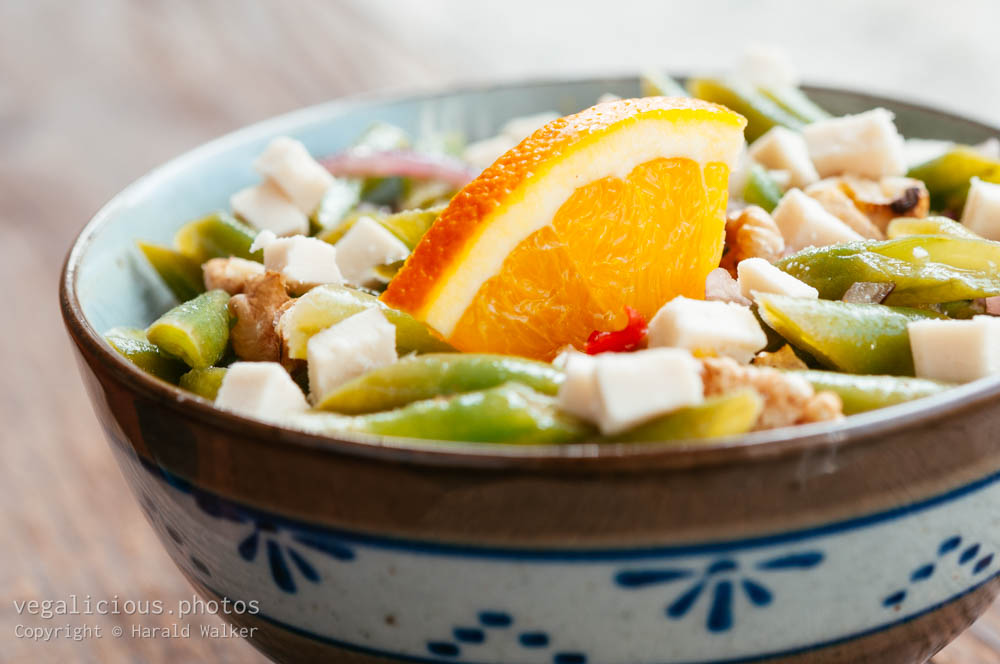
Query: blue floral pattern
point(278, 552)
point(720, 580)
point(964, 554)
point(495, 623)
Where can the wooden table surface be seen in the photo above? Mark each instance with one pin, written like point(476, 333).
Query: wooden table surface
point(94, 94)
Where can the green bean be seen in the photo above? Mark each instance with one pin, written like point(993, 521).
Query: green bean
point(181, 274)
point(863, 393)
point(948, 177)
point(324, 306)
point(794, 101)
point(925, 269)
point(855, 338)
point(726, 415)
point(196, 331)
point(761, 189)
point(509, 413)
point(204, 382)
point(761, 113)
point(219, 235)
point(655, 83)
point(904, 226)
point(410, 225)
point(339, 200)
point(132, 344)
point(425, 376)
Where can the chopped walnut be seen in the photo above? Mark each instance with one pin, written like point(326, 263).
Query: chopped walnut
point(822, 407)
point(833, 199)
point(751, 233)
point(788, 399)
point(256, 310)
point(783, 358)
point(884, 200)
point(230, 274)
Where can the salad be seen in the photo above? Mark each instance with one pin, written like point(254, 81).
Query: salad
point(698, 262)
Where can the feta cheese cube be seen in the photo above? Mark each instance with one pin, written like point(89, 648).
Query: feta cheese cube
point(804, 222)
point(783, 149)
point(757, 275)
point(956, 351)
point(618, 391)
point(768, 65)
point(519, 128)
point(990, 148)
point(366, 245)
point(578, 393)
point(305, 262)
point(866, 144)
point(288, 164)
point(482, 154)
point(265, 207)
point(260, 389)
point(636, 387)
point(917, 151)
point(352, 347)
point(707, 328)
point(981, 214)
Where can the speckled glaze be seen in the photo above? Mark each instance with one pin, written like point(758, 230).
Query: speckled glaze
point(872, 541)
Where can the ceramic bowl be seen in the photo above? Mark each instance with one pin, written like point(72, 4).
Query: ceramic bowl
point(870, 541)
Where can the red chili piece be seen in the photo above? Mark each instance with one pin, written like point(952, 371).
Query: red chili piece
point(629, 338)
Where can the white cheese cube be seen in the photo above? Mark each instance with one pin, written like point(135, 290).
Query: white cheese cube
point(305, 262)
point(289, 165)
point(708, 328)
point(981, 214)
point(636, 387)
point(956, 351)
point(757, 275)
point(260, 389)
point(265, 207)
point(867, 144)
point(366, 245)
point(518, 129)
point(917, 151)
point(804, 222)
point(767, 65)
point(482, 154)
point(783, 149)
point(352, 347)
point(990, 148)
point(578, 393)
point(738, 176)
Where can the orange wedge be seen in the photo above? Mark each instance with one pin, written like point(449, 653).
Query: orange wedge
point(621, 204)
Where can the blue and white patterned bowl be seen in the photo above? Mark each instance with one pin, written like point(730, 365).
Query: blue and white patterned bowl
point(874, 540)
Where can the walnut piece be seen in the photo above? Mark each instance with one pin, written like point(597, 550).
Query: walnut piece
point(230, 274)
point(788, 399)
point(783, 358)
point(884, 200)
point(836, 202)
point(256, 311)
point(751, 233)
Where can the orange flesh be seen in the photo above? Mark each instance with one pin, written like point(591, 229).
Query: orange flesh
point(637, 242)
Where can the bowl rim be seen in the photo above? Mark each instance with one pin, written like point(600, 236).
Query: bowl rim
point(760, 445)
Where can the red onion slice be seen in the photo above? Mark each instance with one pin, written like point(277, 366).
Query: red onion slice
point(403, 163)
